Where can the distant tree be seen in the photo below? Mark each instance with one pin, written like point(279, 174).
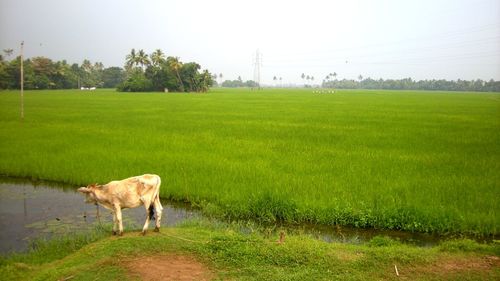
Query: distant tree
point(190, 76)
point(360, 77)
point(275, 79)
point(142, 59)
point(157, 58)
point(136, 82)
point(176, 65)
point(130, 59)
point(251, 84)
point(112, 77)
point(303, 76)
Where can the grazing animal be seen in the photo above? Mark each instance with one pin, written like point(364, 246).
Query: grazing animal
point(128, 193)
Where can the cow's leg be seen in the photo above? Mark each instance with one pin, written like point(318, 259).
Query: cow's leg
point(146, 224)
point(158, 210)
point(114, 223)
point(118, 211)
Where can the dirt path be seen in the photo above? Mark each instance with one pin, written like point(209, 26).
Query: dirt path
point(168, 267)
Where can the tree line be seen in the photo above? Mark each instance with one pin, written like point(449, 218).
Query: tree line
point(156, 72)
point(477, 85)
point(44, 73)
point(238, 83)
point(142, 72)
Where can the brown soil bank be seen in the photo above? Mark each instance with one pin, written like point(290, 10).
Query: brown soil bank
point(168, 267)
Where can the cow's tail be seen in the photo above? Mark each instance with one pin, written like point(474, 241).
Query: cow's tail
point(156, 196)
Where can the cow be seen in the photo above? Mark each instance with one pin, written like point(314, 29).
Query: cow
point(128, 193)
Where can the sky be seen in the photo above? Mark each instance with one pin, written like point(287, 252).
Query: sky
point(389, 39)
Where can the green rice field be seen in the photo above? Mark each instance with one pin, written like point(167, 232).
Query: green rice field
point(409, 160)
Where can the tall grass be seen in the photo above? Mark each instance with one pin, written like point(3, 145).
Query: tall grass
point(418, 161)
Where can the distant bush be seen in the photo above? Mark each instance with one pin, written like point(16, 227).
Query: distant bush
point(136, 82)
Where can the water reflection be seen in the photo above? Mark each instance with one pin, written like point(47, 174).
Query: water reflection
point(28, 211)
point(50, 208)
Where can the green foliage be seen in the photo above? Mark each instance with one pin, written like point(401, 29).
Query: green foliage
point(409, 84)
point(382, 241)
point(159, 73)
point(468, 245)
point(112, 77)
point(232, 255)
point(136, 82)
point(239, 83)
point(414, 161)
point(43, 73)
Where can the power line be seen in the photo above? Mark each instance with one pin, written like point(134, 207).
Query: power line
point(430, 37)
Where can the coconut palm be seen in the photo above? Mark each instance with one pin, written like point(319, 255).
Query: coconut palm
point(142, 59)
point(157, 57)
point(130, 59)
point(176, 65)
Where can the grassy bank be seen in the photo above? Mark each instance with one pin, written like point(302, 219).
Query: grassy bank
point(229, 255)
point(418, 161)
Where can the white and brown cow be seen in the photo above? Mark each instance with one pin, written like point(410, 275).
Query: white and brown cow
point(128, 193)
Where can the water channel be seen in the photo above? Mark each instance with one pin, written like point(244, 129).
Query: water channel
point(30, 210)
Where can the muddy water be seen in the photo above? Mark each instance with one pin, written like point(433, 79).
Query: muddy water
point(29, 211)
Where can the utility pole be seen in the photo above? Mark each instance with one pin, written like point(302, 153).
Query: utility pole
point(256, 70)
point(22, 82)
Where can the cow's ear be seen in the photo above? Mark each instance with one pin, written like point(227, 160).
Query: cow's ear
point(84, 190)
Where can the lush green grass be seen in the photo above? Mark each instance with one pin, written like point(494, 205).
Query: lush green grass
point(419, 161)
point(231, 255)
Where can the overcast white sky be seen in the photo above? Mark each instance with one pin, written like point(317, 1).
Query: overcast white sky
point(422, 39)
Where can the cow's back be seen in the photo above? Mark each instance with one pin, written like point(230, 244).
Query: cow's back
point(133, 191)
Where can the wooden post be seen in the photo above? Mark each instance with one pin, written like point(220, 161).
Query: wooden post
point(22, 82)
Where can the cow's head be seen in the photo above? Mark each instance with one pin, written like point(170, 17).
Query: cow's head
point(89, 192)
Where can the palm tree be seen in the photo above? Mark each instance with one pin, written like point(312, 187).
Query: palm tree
point(333, 75)
point(87, 65)
point(312, 79)
point(142, 59)
point(360, 77)
point(307, 78)
point(130, 59)
point(281, 83)
point(157, 57)
point(205, 80)
point(303, 76)
point(274, 79)
point(176, 65)
point(220, 77)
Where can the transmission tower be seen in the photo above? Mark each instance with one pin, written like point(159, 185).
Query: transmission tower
point(256, 69)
